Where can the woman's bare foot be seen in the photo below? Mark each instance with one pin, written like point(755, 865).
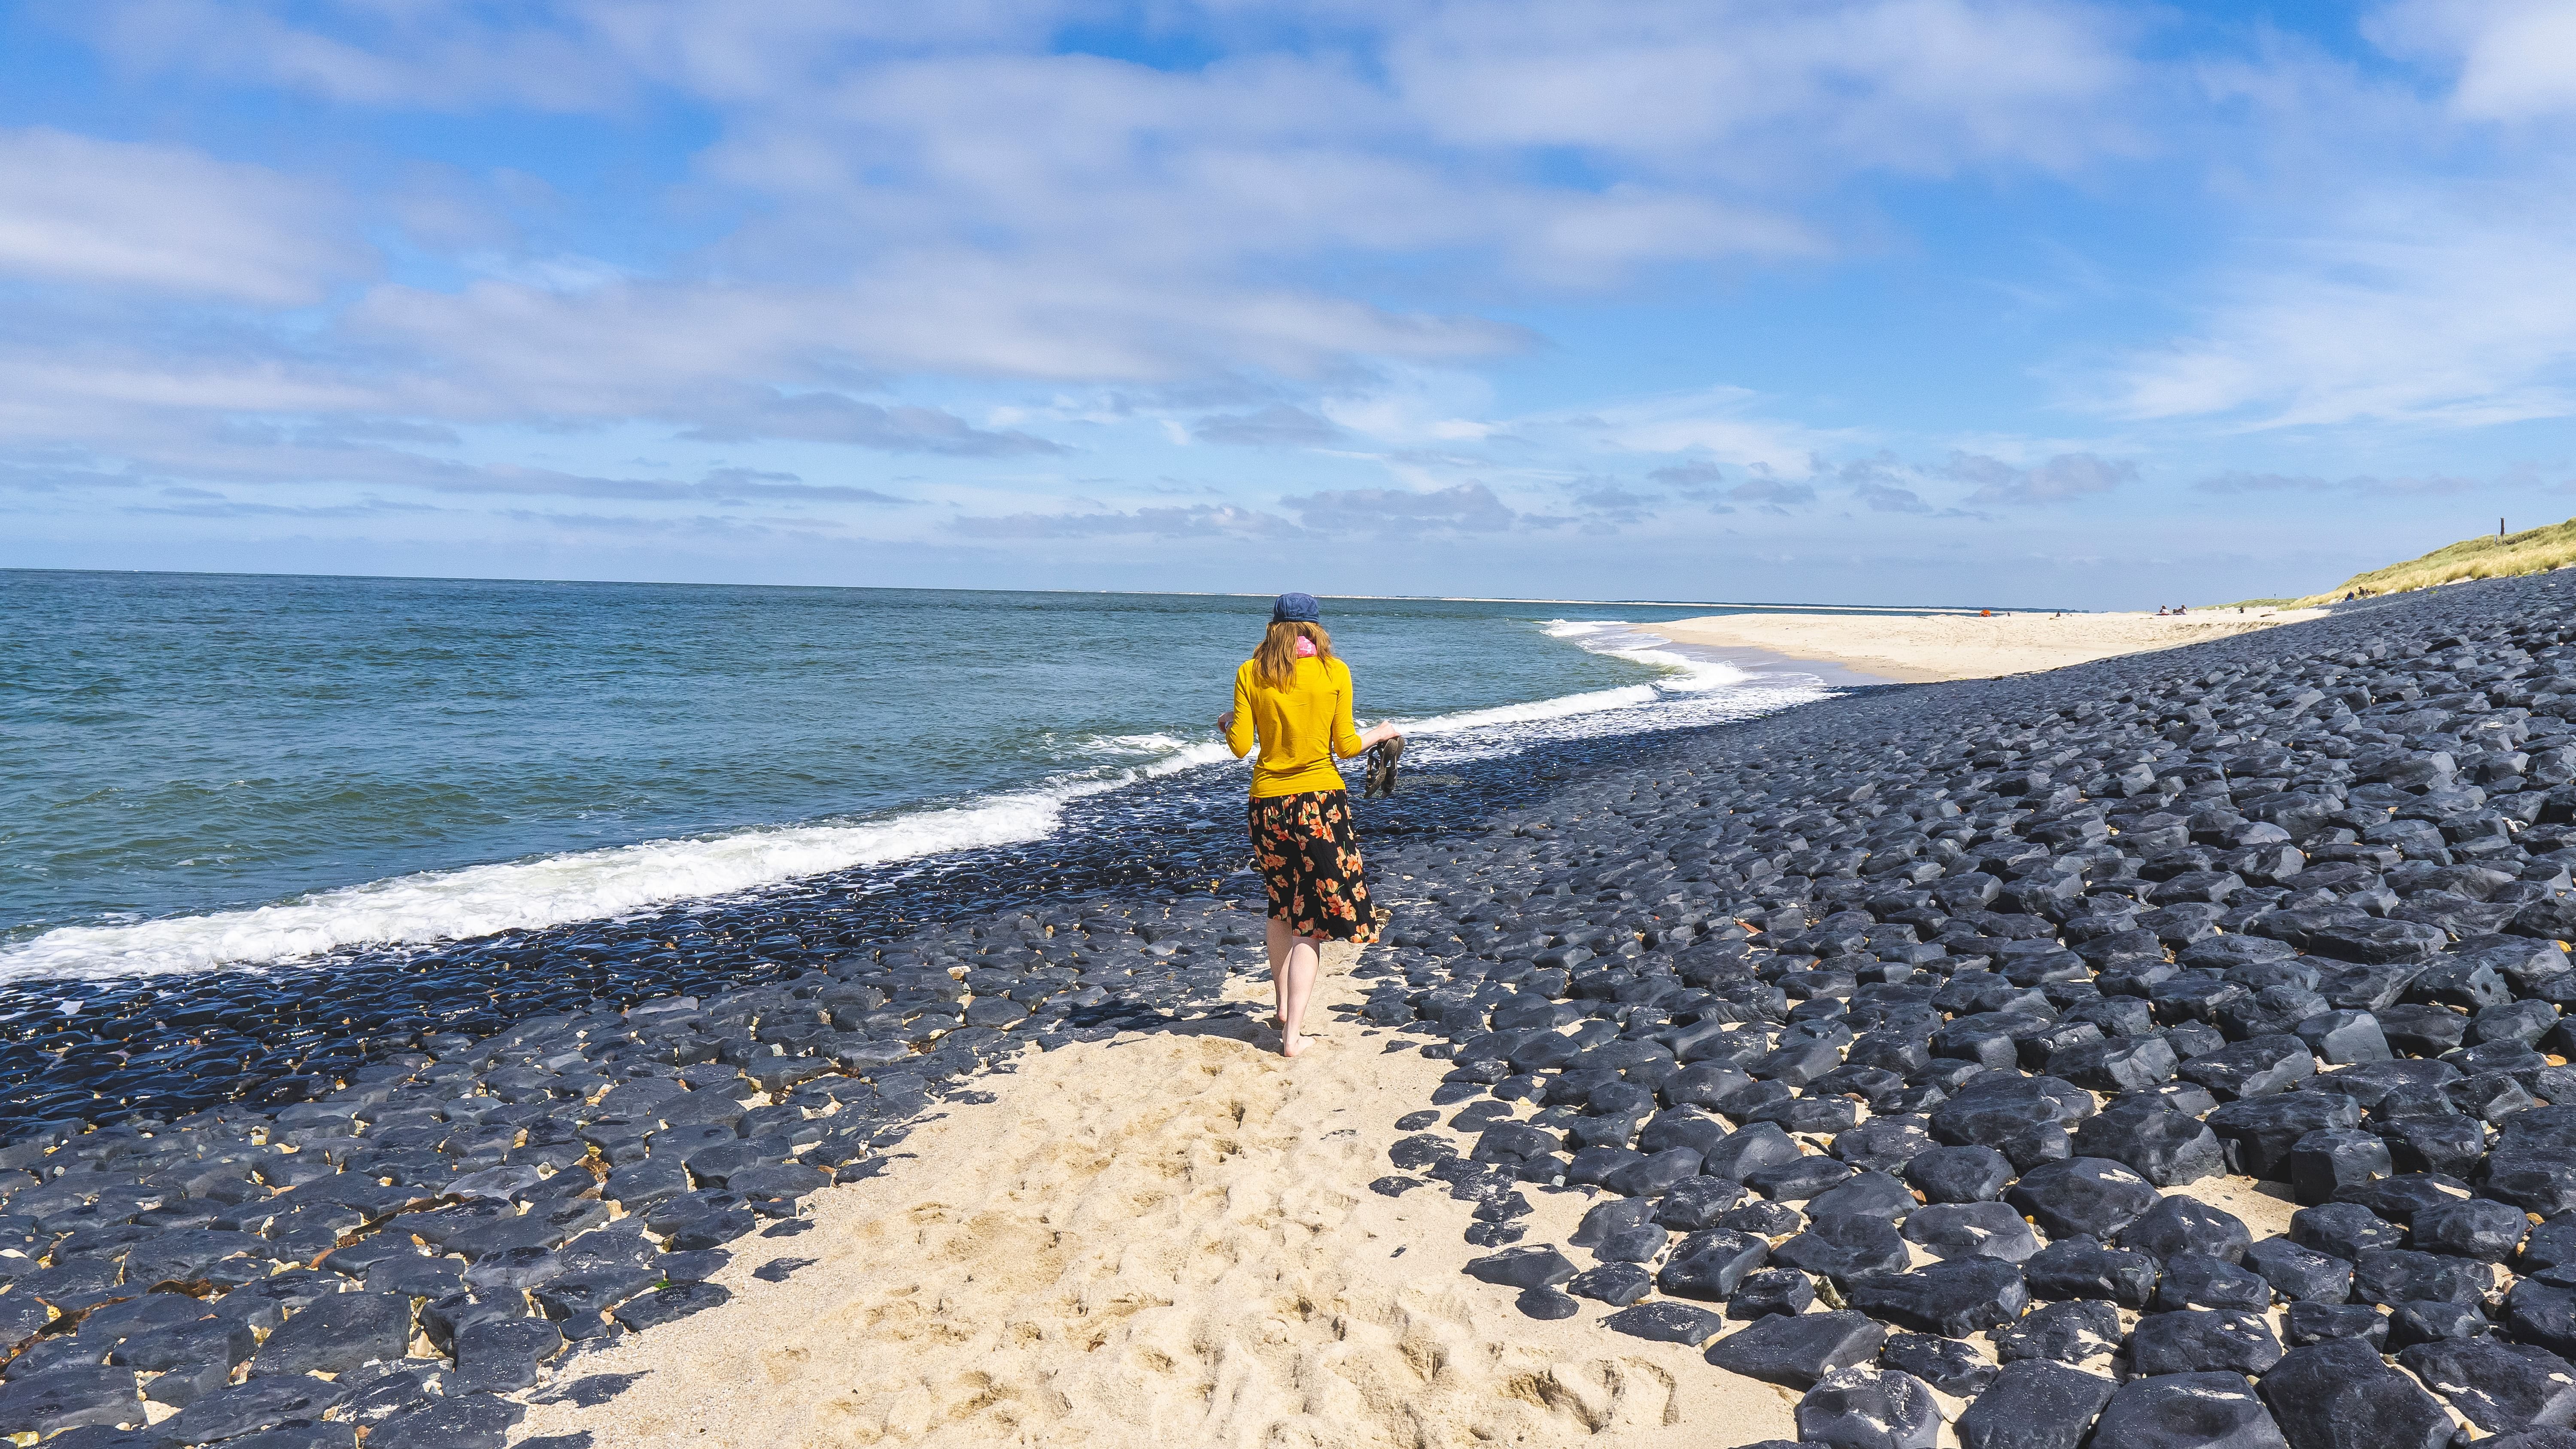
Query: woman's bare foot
point(1290, 1046)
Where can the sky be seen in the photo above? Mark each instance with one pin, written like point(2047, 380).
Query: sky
point(2016, 302)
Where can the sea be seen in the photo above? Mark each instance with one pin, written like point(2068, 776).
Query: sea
point(202, 772)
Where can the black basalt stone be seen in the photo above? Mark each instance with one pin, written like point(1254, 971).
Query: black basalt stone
point(2164, 1146)
point(69, 1397)
point(1546, 1304)
point(1798, 1350)
point(2307, 1323)
point(1771, 1291)
point(2431, 1322)
point(2090, 1196)
point(2542, 1312)
point(2264, 1129)
point(1959, 1174)
point(1954, 1298)
point(2066, 1332)
point(2181, 1225)
point(2300, 1274)
point(466, 1421)
point(1666, 1323)
point(1972, 1230)
point(2169, 1411)
point(2337, 1394)
point(337, 1334)
point(1530, 1267)
point(2533, 1163)
point(1867, 1407)
point(2035, 1404)
point(2203, 1340)
point(1697, 1203)
point(2326, 1162)
point(1946, 1364)
point(2395, 1275)
point(2476, 1227)
point(1708, 1265)
point(2499, 1387)
point(2344, 1230)
point(2115, 1064)
point(1617, 1284)
point(1760, 1145)
point(1869, 1194)
point(2193, 1281)
point(1845, 1247)
point(2082, 1268)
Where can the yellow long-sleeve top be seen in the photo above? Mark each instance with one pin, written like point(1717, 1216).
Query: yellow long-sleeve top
point(1299, 728)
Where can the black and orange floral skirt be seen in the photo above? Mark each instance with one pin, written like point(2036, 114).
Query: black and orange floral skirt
point(1310, 861)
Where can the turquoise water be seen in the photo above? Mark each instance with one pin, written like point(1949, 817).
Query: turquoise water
point(201, 770)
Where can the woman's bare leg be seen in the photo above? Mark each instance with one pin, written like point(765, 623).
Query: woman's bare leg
point(1304, 955)
point(1276, 936)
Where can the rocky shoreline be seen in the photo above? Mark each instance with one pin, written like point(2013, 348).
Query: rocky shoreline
point(1889, 1033)
point(1880, 1035)
point(385, 1191)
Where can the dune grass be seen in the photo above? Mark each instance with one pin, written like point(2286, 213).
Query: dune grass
point(2532, 551)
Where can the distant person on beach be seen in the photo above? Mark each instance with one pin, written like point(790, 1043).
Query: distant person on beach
point(1293, 698)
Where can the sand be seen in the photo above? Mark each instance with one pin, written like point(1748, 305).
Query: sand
point(1158, 1240)
point(1922, 648)
point(1168, 1239)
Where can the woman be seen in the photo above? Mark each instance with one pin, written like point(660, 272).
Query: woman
point(1294, 698)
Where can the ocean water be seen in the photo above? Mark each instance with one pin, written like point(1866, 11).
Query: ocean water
point(200, 771)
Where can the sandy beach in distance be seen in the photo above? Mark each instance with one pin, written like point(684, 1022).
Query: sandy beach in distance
point(1160, 1239)
point(1914, 649)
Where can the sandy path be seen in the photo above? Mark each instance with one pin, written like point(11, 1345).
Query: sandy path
point(1917, 649)
point(1158, 1240)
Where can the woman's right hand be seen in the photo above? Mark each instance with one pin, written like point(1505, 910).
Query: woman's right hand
point(1225, 723)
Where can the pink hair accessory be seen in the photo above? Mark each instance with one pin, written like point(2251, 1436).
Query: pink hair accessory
point(1305, 647)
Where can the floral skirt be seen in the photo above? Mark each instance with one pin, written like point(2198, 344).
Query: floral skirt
point(1310, 862)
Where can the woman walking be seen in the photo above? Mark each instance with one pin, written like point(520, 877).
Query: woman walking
point(1293, 698)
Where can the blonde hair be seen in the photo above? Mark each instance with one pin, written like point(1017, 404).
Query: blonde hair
point(1275, 662)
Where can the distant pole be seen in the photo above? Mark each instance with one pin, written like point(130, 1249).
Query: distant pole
point(2499, 528)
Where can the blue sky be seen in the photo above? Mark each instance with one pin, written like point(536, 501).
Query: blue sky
point(1886, 301)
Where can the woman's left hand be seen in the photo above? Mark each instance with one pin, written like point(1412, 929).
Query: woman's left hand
point(1225, 723)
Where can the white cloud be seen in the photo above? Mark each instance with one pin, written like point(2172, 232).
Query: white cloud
point(2515, 60)
point(2441, 307)
point(165, 219)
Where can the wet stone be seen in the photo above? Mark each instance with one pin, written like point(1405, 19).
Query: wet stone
point(1708, 1265)
point(1953, 1298)
point(2035, 1403)
point(1546, 1304)
point(1972, 1230)
point(2179, 1225)
point(2343, 1230)
point(2338, 1394)
point(1617, 1284)
point(2430, 1322)
point(2499, 1387)
point(1959, 1174)
point(1866, 1407)
point(2300, 1274)
point(1666, 1323)
point(2090, 1196)
point(1946, 1364)
point(2192, 1281)
point(1531, 1267)
point(2398, 1275)
point(1798, 1350)
point(2479, 1228)
point(2065, 1332)
point(2202, 1340)
point(2304, 1323)
point(2168, 1411)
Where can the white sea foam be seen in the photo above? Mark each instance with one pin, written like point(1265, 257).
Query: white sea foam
point(599, 884)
